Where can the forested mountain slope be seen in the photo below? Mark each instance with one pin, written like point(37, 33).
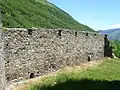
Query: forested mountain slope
point(37, 13)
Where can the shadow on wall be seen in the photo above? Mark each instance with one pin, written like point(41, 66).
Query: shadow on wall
point(84, 85)
point(107, 48)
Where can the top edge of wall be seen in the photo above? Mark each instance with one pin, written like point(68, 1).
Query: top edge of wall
point(34, 29)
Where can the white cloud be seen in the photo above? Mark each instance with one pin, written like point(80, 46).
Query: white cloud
point(115, 26)
point(110, 27)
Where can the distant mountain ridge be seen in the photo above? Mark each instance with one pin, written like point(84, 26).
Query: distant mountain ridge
point(113, 34)
point(37, 13)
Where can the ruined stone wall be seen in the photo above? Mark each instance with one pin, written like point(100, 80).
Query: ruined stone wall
point(43, 51)
point(2, 63)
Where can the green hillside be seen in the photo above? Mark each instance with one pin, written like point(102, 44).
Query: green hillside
point(116, 47)
point(37, 13)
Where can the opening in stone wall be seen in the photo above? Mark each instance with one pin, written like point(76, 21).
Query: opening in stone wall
point(86, 34)
point(30, 31)
point(76, 33)
point(95, 34)
point(89, 59)
point(8, 78)
point(7, 61)
point(59, 32)
point(32, 75)
point(7, 44)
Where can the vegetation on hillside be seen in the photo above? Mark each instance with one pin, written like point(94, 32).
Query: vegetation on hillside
point(116, 47)
point(103, 77)
point(37, 13)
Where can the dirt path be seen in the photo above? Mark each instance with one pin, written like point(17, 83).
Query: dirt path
point(25, 84)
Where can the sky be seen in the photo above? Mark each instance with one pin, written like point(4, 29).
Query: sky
point(97, 14)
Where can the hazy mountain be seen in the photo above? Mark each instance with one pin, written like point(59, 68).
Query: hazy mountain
point(113, 34)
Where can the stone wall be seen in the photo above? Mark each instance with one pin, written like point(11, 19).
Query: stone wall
point(2, 64)
point(41, 51)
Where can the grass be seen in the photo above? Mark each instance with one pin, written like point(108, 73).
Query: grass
point(106, 76)
point(37, 13)
point(103, 75)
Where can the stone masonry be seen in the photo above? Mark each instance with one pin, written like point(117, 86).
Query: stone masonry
point(33, 52)
point(2, 64)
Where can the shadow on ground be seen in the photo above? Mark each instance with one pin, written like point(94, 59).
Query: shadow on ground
point(85, 85)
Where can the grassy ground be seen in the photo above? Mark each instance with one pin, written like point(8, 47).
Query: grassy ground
point(100, 75)
point(106, 76)
point(24, 85)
